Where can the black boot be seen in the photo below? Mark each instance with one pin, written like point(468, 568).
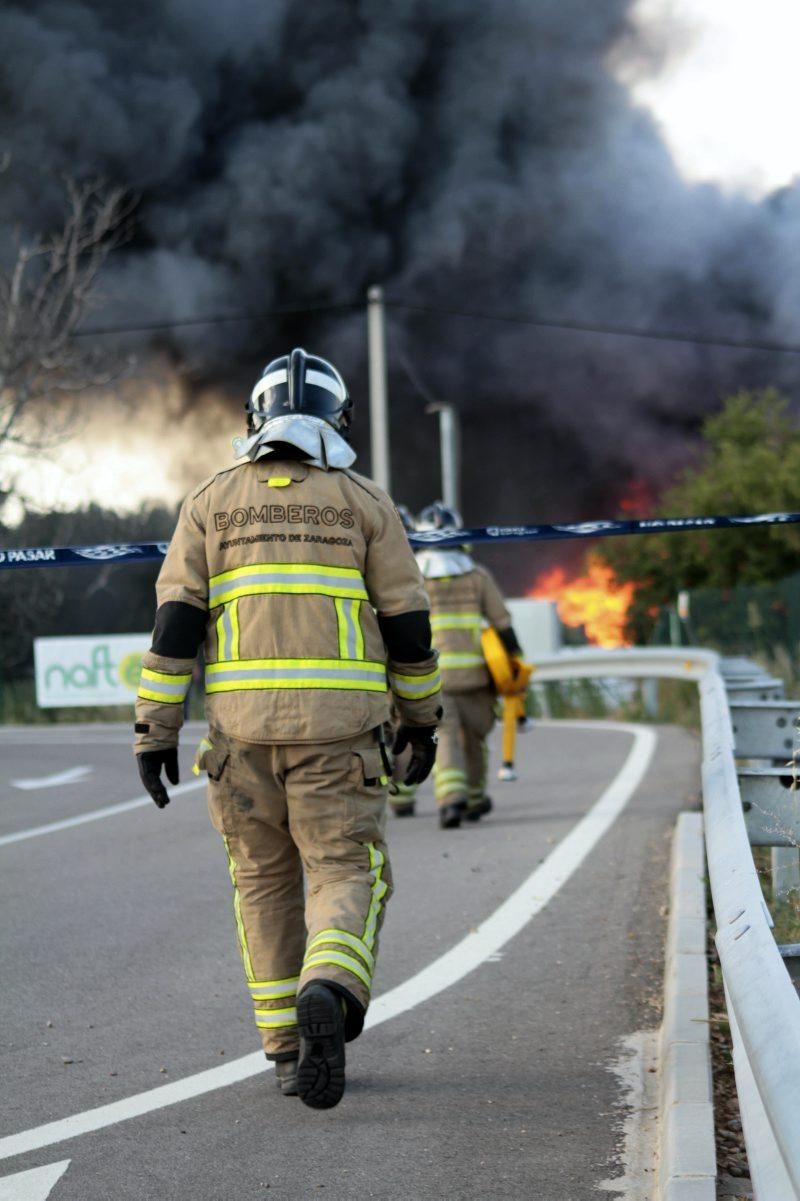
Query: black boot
point(286, 1076)
point(285, 1063)
point(450, 815)
point(476, 811)
point(320, 1070)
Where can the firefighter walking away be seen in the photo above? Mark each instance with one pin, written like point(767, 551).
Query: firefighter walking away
point(295, 575)
point(464, 598)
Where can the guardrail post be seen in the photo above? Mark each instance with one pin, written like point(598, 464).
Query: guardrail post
point(785, 872)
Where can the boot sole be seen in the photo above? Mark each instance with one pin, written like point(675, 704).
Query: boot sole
point(320, 1071)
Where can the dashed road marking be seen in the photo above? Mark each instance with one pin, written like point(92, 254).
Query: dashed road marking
point(71, 776)
point(33, 1185)
point(95, 814)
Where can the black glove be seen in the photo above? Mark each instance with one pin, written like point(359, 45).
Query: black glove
point(150, 764)
point(423, 751)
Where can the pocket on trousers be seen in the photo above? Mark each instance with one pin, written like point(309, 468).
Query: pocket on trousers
point(366, 802)
point(367, 768)
point(215, 764)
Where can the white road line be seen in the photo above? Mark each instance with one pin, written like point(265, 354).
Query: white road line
point(33, 1185)
point(96, 814)
point(71, 776)
point(501, 926)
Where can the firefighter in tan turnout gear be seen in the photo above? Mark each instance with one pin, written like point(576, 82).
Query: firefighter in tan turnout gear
point(464, 598)
point(297, 576)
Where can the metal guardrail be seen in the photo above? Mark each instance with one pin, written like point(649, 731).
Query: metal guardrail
point(762, 1001)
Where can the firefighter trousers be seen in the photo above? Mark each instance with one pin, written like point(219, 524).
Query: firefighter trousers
point(462, 756)
point(286, 812)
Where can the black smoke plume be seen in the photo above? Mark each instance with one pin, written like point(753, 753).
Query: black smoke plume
point(470, 155)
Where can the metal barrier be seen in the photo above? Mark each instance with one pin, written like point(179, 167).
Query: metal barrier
point(763, 1004)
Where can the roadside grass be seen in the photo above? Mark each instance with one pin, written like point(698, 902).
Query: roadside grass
point(785, 913)
point(665, 702)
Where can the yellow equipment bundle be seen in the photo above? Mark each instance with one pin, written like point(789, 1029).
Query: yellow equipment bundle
point(510, 676)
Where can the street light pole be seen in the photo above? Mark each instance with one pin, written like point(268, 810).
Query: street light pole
point(449, 452)
point(378, 389)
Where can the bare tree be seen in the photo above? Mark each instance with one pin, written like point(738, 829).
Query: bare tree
point(47, 289)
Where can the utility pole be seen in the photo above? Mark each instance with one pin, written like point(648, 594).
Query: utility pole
point(449, 452)
point(378, 389)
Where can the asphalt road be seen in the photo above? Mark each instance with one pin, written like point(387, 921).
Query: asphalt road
point(120, 974)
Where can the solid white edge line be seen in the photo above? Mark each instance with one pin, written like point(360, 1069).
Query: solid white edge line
point(109, 811)
point(501, 926)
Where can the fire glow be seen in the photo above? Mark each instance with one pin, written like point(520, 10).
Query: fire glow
point(596, 600)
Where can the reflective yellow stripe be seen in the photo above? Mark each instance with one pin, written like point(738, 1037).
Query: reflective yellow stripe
point(452, 660)
point(339, 959)
point(147, 694)
point(359, 632)
point(163, 677)
point(448, 781)
point(237, 909)
point(312, 579)
point(349, 674)
point(162, 687)
point(342, 626)
point(415, 688)
point(273, 1019)
point(449, 773)
point(379, 890)
point(234, 612)
point(270, 990)
point(345, 939)
point(344, 573)
point(222, 649)
point(456, 621)
point(348, 622)
point(228, 631)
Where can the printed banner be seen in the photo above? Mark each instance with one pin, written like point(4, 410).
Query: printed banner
point(141, 552)
point(88, 670)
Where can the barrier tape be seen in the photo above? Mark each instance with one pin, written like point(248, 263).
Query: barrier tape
point(142, 552)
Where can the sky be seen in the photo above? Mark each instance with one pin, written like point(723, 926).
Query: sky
point(727, 92)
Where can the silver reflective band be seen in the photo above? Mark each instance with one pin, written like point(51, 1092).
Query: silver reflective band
point(227, 628)
point(455, 621)
point(269, 381)
point(427, 685)
point(273, 992)
point(294, 673)
point(266, 1018)
point(325, 381)
point(167, 689)
point(351, 640)
point(284, 579)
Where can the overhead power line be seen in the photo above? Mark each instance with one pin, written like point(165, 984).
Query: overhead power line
point(617, 331)
point(218, 319)
point(605, 329)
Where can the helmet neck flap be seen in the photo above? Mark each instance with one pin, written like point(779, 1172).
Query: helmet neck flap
point(319, 443)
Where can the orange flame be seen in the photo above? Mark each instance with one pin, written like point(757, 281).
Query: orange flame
point(597, 601)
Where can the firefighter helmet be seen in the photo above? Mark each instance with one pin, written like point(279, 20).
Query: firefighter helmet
point(300, 383)
point(439, 516)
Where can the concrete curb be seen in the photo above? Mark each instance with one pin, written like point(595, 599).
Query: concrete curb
point(687, 1158)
